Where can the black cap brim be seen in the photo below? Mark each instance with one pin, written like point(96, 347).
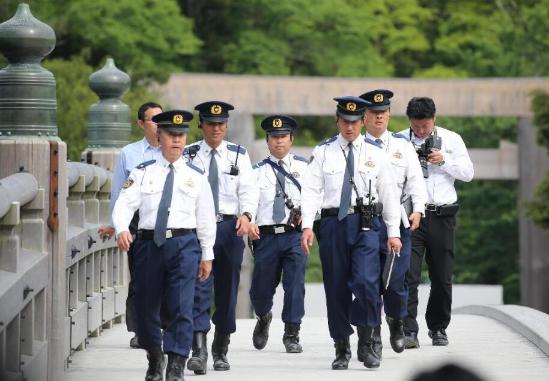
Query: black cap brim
point(215, 119)
point(379, 108)
point(175, 130)
point(349, 117)
point(281, 131)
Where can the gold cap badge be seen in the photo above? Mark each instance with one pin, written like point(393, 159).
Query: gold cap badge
point(378, 98)
point(216, 109)
point(277, 122)
point(177, 119)
point(351, 106)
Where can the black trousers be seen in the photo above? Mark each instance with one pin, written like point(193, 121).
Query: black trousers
point(131, 315)
point(434, 239)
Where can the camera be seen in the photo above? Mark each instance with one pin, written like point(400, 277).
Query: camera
point(294, 218)
point(423, 151)
point(192, 151)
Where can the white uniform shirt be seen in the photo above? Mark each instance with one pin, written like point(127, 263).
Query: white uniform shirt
point(192, 204)
point(457, 165)
point(237, 194)
point(406, 169)
point(324, 178)
point(265, 177)
point(131, 156)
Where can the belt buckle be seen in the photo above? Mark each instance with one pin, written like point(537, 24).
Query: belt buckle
point(351, 210)
point(279, 230)
point(218, 217)
point(169, 234)
point(431, 207)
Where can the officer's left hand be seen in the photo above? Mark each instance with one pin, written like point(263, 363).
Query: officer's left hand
point(204, 270)
point(242, 225)
point(393, 243)
point(435, 157)
point(414, 219)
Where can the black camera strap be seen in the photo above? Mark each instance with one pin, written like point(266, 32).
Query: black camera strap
point(284, 172)
point(434, 132)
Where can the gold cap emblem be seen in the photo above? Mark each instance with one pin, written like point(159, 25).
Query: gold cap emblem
point(216, 109)
point(378, 98)
point(351, 106)
point(177, 119)
point(277, 122)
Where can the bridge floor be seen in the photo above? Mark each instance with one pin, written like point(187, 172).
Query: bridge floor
point(482, 344)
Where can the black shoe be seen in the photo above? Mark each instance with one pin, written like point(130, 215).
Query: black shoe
point(366, 337)
point(199, 358)
point(134, 342)
point(410, 340)
point(220, 347)
point(377, 346)
point(343, 354)
point(155, 371)
point(397, 334)
point(439, 337)
point(291, 338)
point(261, 330)
point(176, 364)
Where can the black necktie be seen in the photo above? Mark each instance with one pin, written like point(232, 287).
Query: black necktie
point(279, 212)
point(213, 178)
point(347, 189)
point(164, 210)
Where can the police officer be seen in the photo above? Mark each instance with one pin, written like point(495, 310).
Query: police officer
point(130, 156)
point(276, 234)
point(229, 171)
point(350, 180)
point(446, 161)
point(176, 229)
point(413, 195)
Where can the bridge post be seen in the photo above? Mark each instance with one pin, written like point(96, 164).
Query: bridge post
point(533, 240)
point(109, 120)
point(33, 296)
point(241, 130)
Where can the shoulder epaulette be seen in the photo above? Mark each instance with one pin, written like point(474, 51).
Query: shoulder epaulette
point(328, 141)
point(192, 166)
point(300, 158)
point(370, 141)
point(145, 164)
point(260, 163)
point(234, 148)
point(399, 136)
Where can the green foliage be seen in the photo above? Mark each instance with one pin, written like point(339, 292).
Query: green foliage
point(488, 210)
point(74, 98)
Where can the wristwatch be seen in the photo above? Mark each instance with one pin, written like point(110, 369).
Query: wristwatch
point(249, 215)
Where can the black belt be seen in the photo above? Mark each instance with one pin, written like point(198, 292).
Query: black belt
point(442, 210)
point(170, 233)
point(276, 229)
point(330, 212)
point(224, 217)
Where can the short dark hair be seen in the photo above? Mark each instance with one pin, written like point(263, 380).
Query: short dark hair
point(449, 372)
point(144, 107)
point(421, 108)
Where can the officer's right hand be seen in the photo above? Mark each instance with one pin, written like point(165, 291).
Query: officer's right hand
point(253, 231)
point(105, 232)
point(307, 238)
point(123, 240)
point(204, 270)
